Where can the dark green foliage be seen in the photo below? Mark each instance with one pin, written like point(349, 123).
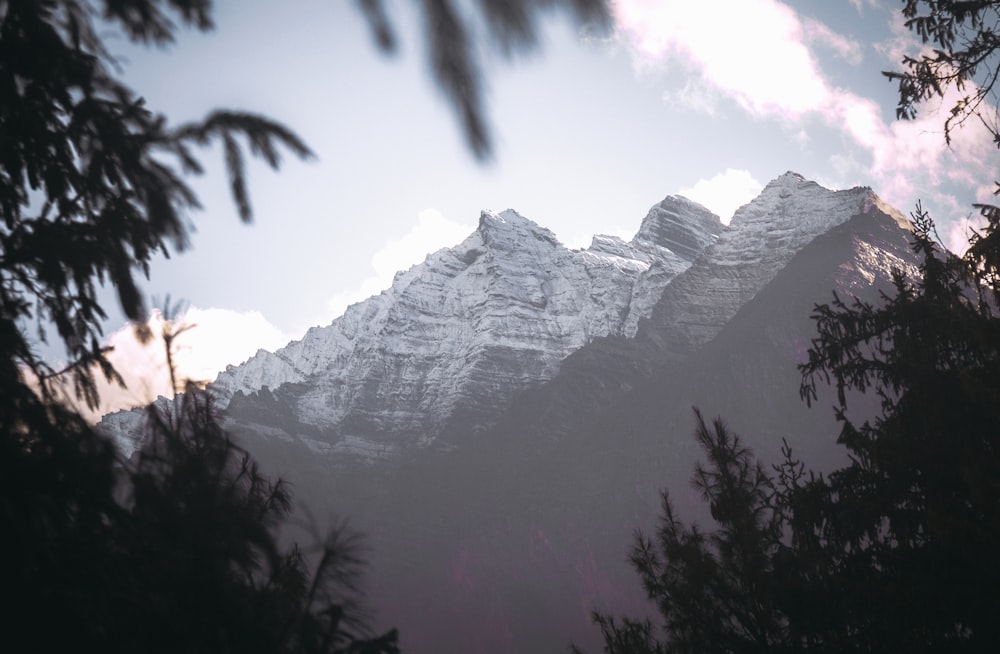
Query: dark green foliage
point(202, 537)
point(964, 36)
point(717, 591)
point(175, 551)
point(720, 582)
point(914, 523)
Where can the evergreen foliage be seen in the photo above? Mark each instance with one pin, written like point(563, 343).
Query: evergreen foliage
point(177, 550)
point(964, 37)
point(91, 180)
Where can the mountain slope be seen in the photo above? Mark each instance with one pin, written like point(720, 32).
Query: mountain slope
point(441, 352)
point(762, 237)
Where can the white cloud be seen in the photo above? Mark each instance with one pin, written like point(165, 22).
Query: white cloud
point(724, 193)
point(901, 42)
point(772, 71)
point(431, 233)
point(220, 337)
point(694, 96)
point(713, 40)
point(216, 338)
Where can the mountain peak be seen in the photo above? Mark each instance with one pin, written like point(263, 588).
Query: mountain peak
point(787, 183)
point(680, 225)
point(509, 227)
point(792, 202)
point(506, 219)
point(789, 175)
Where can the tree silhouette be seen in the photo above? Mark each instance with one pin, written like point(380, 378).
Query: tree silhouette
point(91, 180)
point(178, 549)
point(913, 523)
point(964, 36)
point(715, 591)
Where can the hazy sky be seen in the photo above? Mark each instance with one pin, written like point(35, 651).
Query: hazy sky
point(707, 99)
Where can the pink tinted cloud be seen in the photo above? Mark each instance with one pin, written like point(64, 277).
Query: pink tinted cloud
point(767, 70)
point(217, 337)
point(772, 71)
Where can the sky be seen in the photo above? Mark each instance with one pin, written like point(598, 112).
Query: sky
point(707, 100)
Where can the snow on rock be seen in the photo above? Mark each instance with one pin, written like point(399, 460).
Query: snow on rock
point(468, 327)
point(760, 240)
point(450, 343)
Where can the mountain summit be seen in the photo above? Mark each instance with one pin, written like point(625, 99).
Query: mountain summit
point(444, 350)
point(448, 344)
point(761, 239)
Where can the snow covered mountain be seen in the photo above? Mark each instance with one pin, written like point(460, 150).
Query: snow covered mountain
point(455, 337)
point(762, 238)
point(442, 352)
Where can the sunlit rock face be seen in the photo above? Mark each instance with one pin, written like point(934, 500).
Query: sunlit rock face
point(448, 344)
point(441, 353)
point(445, 348)
point(761, 239)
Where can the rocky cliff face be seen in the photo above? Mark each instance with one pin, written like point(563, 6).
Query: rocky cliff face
point(442, 351)
point(762, 238)
point(446, 346)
